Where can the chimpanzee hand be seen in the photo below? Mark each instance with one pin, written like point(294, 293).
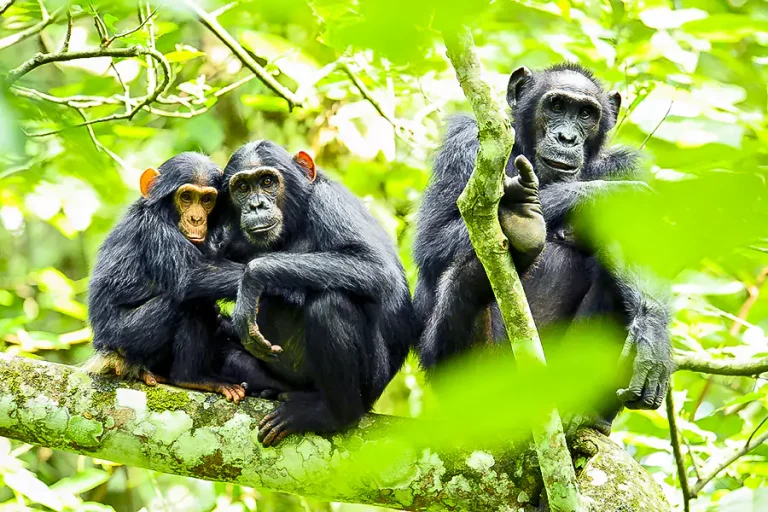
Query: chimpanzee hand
point(520, 214)
point(652, 365)
point(244, 320)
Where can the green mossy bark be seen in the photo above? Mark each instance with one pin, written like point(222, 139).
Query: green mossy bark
point(479, 206)
point(201, 435)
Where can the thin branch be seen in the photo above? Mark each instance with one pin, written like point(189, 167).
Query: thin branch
point(135, 51)
point(68, 36)
point(717, 468)
point(5, 5)
point(753, 293)
point(694, 464)
point(213, 25)
point(749, 440)
point(112, 39)
point(30, 31)
point(728, 367)
point(674, 436)
point(660, 122)
point(101, 147)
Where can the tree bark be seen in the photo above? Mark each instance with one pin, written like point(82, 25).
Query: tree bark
point(201, 435)
point(479, 207)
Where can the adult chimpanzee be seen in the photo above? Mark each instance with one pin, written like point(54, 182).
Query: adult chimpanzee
point(324, 283)
point(152, 293)
point(561, 118)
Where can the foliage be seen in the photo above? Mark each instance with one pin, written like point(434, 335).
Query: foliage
point(371, 86)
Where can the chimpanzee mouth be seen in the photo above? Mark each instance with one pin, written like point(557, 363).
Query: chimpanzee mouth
point(560, 166)
point(262, 229)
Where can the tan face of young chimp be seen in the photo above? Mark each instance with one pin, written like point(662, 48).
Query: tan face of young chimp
point(194, 203)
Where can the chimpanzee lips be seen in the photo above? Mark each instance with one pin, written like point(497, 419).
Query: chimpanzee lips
point(560, 166)
point(262, 228)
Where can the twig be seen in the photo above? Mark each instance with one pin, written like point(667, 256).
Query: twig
point(728, 367)
point(674, 436)
point(112, 39)
point(68, 36)
point(692, 456)
point(135, 51)
point(753, 292)
point(213, 25)
point(99, 146)
point(30, 31)
point(660, 122)
point(716, 469)
point(755, 431)
point(5, 5)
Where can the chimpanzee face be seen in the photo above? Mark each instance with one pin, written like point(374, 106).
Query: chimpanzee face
point(259, 195)
point(194, 203)
point(567, 116)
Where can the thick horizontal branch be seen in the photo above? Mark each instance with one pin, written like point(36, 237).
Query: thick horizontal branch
point(201, 435)
point(729, 367)
point(225, 37)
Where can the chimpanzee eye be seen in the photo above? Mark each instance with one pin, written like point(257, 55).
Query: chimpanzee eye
point(267, 181)
point(557, 106)
point(206, 199)
point(185, 196)
point(242, 186)
point(585, 113)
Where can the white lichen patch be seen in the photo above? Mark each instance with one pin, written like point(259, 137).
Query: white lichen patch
point(169, 425)
point(131, 399)
point(523, 497)
point(191, 448)
point(237, 432)
point(480, 461)
point(598, 476)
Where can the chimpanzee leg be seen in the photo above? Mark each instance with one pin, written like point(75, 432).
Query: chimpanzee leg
point(237, 366)
point(336, 337)
point(192, 355)
point(463, 291)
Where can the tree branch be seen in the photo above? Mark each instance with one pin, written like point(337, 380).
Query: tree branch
point(29, 31)
point(194, 434)
point(220, 32)
point(478, 204)
point(674, 435)
point(728, 367)
point(715, 469)
point(5, 5)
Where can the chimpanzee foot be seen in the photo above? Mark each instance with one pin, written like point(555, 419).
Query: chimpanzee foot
point(149, 378)
point(232, 392)
point(296, 417)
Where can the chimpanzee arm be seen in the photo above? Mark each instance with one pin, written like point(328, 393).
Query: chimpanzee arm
point(214, 280)
point(562, 198)
point(648, 338)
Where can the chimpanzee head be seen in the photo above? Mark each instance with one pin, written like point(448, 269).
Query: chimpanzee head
point(561, 117)
point(185, 186)
point(269, 190)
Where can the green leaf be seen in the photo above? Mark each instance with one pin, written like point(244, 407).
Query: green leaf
point(188, 53)
point(25, 482)
point(110, 21)
point(81, 482)
point(726, 27)
point(265, 103)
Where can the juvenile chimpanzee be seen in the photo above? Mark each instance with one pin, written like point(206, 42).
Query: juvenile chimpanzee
point(152, 293)
point(561, 118)
point(324, 284)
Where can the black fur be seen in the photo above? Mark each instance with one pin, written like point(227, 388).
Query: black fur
point(330, 291)
point(568, 282)
point(152, 293)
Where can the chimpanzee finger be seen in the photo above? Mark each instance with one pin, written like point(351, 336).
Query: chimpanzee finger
point(650, 392)
point(269, 417)
point(524, 167)
point(269, 394)
point(626, 351)
point(662, 392)
point(634, 391)
point(224, 390)
point(275, 433)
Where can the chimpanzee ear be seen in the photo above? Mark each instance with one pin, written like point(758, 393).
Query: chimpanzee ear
point(517, 82)
point(146, 180)
point(303, 159)
point(614, 98)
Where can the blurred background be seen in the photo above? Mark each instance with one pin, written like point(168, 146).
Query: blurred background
point(372, 87)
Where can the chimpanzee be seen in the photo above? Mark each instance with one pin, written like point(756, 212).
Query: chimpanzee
point(324, 302)
point(561, 118)
point(152, 294)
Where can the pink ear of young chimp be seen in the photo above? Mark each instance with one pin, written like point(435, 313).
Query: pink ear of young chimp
point(303, 159)
point(146, 180)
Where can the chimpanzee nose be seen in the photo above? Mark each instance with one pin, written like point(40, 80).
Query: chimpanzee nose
point(259, 204)
point(196, 220)
point(566, 139)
